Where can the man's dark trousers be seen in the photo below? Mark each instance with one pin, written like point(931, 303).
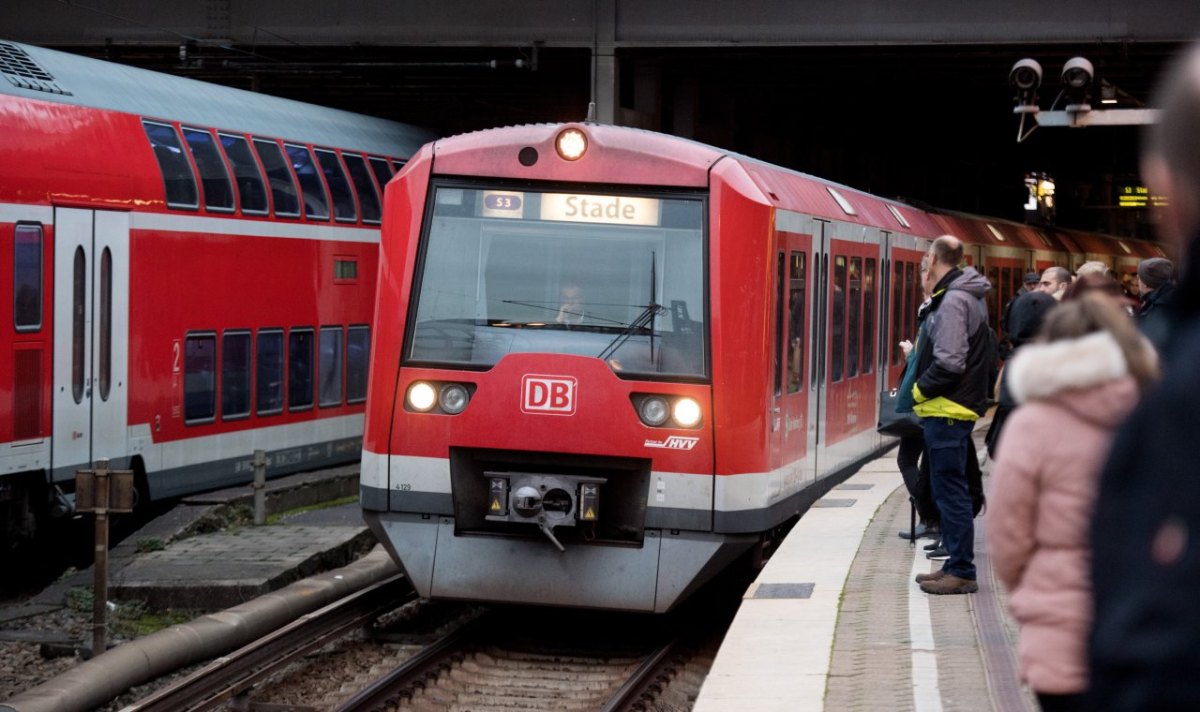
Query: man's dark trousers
point(946, 443)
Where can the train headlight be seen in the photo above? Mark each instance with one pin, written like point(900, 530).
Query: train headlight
point(654, 411)
point(686, 412)
point(453, 398)
point(571, 144)
point(421, 396)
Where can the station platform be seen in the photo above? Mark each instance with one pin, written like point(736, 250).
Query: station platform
point(204, 555)
point(835, 621)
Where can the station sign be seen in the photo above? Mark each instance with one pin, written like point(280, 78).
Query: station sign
point(611, 209)
point(1135, 195)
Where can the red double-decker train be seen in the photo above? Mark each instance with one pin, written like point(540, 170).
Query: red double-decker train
point(187, 273)
point(609, 362)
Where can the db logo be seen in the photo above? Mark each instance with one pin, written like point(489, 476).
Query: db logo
point(551, 395)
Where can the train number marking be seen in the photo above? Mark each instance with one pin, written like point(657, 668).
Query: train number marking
point(675, 442)
point(548, 395)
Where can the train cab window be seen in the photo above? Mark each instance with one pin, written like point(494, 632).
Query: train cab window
point(300, 369)
point(368, 198)
point(868, 329)
point(358, 349)
point(339, 188)
point(854, 316)
point(27, 278)
point(268, 372)
point(214, 178)
point(283, 188)
point(235, 375)
point(178, 180)
point(199, 378)
point(246, 174)
point(797, 285)
point(615, 276)
point(329, 365)
point(837, 354)
point(312, 190)
point(382, 170)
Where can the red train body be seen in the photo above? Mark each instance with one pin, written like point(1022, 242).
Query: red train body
point(597, 381)
point(167, 304)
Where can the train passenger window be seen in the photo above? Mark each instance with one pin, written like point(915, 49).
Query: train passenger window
point(235, 375)
point(300, 369)
point(316, 202)
point(199, 378)
point(178, 180)
point(780, 308)
point(837, 329)
point(855, 316)
point(78, 307)
point(27, 278)
point(913, 296)
point(339, 188)
point(898, 334)
point(368, 198)
point(269, 372)
point(868, 330)
point(994, 304)
point(797, 286)
point(283, 188)
point(246, 174)
point(104, 350)
point(214, 178)
point(329, 364)
point(382, 170)
point(358, 349)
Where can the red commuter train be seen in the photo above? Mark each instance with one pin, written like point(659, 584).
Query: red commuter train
point(608, 362)
point(187, 273)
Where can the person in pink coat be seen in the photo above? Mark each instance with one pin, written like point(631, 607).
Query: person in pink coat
point(1074, 386)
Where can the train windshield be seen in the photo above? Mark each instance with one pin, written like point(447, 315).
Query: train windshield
point(618, 277)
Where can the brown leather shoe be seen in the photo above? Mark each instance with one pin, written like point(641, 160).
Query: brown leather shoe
point(950, 584)
point(933, 576)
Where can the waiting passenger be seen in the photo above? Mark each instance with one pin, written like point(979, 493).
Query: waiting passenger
point(1093, 267)
point(1145, 642)
point(1156, 285)
point(1075, 384)
point(1025, 319)
point(1055, 281)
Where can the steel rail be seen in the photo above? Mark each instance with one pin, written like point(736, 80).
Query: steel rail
point(642, 678)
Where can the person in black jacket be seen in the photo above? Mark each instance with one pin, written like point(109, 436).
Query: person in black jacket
point(1144, 648)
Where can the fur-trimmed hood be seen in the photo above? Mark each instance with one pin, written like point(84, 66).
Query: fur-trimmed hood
point(1088, 376)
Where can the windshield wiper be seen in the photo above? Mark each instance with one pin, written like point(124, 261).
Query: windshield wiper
point(642, 320)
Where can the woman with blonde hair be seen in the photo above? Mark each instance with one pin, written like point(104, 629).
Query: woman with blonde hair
point(1075, 384)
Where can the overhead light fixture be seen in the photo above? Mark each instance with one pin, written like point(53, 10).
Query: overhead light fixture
point(1108, 92)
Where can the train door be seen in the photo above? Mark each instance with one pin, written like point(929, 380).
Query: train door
point(1006, 275)
point(850, 381)
point(91, 337)
point(791, 424)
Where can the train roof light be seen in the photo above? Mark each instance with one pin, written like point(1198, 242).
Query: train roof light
point(571, 144)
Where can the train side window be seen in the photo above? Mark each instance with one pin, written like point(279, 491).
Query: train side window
point(177, 176)
point(269, 372)
point(358, 349)
point(339, 188)
point(837, 329)
point(912, 299)
point(27, 278)
point(246, 174)
point(104, 348)
point(797, 285)
point(898, 334)
point(316, 202)
point(235, 375)
point(300, 369)
point(283, 188)
point(199, 378)
point(780, 308)
point(854, 316)
point(330, 366)
point(868, 330)
point(214, 177)
point(78, 306)
point(994, 304)
point(382, 170)
point(368, 198)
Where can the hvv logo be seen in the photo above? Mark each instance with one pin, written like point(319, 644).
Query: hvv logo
point(549, 395)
